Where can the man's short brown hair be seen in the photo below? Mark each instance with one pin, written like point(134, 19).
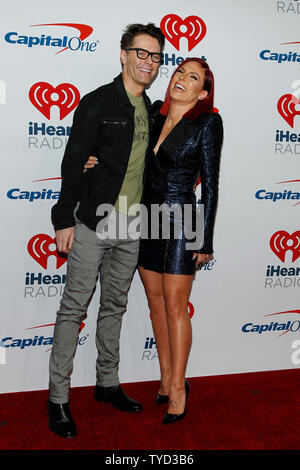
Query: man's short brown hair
point(133, 30)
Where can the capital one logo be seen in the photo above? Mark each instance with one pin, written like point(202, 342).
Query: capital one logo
point(41, 246)
point(282, 241)
point(84, 30)
point(75, 43)
point(43, 96)
point(174, 28)
point(286, 107)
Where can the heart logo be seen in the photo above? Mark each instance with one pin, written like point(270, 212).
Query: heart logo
point(286, 108)
point(174, 28)
point(282, 241)
point(39, 249)
point(43, 96)
point(191, 309)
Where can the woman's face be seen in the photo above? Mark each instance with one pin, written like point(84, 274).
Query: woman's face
point(187, 84)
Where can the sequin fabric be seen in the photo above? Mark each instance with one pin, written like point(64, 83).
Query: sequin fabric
point(190, 150)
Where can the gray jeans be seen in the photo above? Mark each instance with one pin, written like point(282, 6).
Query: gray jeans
point(115, 262)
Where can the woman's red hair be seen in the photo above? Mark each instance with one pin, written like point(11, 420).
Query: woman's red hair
point(202, 106)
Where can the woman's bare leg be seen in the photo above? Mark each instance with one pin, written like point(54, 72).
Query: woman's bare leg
point(176, 291)
point(153, 284)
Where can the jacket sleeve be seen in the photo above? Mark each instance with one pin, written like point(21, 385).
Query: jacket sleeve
point(155, 107)
point(210, 152)
point(82, 141)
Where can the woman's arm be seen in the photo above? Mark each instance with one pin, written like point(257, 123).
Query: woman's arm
point(210, 152)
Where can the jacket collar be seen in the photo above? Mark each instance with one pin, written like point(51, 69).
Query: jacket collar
point(123, 98)
point(180, 133)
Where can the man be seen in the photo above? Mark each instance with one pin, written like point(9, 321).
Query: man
point(112, 123)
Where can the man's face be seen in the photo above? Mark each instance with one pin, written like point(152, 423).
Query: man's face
point(140, 71)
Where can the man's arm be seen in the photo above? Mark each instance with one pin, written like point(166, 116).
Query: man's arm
point(81, 143)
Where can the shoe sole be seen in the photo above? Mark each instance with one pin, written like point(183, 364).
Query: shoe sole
point(63, 437)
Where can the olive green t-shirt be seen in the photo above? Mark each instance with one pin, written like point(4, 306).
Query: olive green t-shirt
point(132, 186)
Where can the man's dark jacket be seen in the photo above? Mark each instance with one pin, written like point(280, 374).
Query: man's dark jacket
point(103, 126)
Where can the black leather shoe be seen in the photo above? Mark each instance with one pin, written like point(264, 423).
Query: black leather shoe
point(60, 420)
point(161, 399)
point(116, 396)
point(172, 418)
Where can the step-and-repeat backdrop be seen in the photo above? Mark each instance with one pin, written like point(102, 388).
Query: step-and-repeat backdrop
point(245, 304)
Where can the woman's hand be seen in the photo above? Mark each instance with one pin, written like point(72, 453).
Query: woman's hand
point(201, 259)
point(92, 161)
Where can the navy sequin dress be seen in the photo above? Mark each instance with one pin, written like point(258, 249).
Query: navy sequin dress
point(191, 149)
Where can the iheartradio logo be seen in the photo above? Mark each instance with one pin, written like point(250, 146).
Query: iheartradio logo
point(43, 96)
point(174, 28)
point(191, 310)
point(41, 246)
point(282, 241)
point(286, 107)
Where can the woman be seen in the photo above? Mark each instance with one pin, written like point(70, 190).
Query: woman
point(186, 141)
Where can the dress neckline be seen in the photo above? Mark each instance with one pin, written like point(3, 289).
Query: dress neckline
point(167, 136)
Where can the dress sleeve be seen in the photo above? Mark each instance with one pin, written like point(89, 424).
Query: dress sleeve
point(82, 141)
point(210, 152)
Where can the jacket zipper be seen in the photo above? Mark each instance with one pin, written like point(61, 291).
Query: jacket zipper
point(122, 123)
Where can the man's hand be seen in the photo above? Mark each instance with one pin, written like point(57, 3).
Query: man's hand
point(64, 239)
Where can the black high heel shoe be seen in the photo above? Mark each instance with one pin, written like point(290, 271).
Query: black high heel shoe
point(161, 399)
point(172, 418)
